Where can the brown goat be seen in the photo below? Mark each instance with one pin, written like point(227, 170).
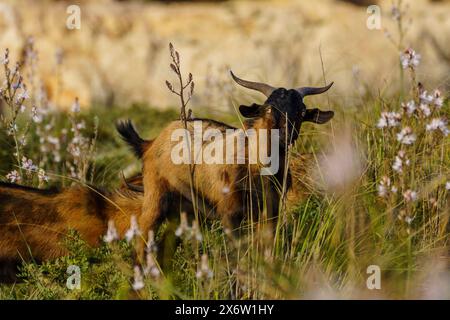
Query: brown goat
point(33, 222)
point(233, 189)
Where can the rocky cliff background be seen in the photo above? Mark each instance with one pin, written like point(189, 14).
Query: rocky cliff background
point(120, 54)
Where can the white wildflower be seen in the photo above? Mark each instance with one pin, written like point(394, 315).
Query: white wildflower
point(406, 136)
point(382, 123)
point(81, 125)
point(383, 187)
point(23, 141)
point(151, 268)
point(410, 195)
point(134, 229)
point(204, 271)
point(447, 185)
point(73, 172)
point(410, 59)
point(42, 176)
point(226, 190)
point(48, 127)
point(438, 123)
point(75, 151)
point(196, 231)
point(13, 176)
point(409, 108)
point(397, 166)
point(138, 282)
point(76, 106)
point(437, 101)
point(426, 111)
point(425, 97)
point(389, 119)
point(56, 156)
point(23, 95)
point(12, 128)
point(111, 233)
point(408, 219)
point(36, 116)
point(434, 124)
point(183, 227)
point(151, 243)
point(16, 86)
point(28, 164)
point(54, 141)
point(400, 159)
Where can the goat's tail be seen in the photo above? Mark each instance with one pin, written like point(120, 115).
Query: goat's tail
point(130, 136)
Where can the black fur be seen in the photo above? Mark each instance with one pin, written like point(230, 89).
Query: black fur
point(8, 271)
point(96, 203)
point(130, 136)
point(217, 123)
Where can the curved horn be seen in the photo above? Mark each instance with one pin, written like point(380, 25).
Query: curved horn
point(306, 91)
point(258, 86)
point(130, 186)
point(134, 187)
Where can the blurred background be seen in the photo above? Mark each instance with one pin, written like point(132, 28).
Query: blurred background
point(119, 56)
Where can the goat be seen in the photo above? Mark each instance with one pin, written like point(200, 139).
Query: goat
point(230, 189)
point(33, 222)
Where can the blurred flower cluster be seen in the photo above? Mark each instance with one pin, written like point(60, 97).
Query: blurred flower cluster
point(149, 269)
point(28, 111)
point(134, 233)
point(410, 136)
point(187, 232)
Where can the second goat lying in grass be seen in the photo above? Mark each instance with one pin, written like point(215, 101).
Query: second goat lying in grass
point(234, 189)
point(34, 222)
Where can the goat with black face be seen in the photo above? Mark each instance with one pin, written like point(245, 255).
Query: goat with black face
point(286, 108)
point(231, 191)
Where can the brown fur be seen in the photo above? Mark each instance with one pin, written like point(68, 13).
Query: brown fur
point(248, 192)
point(162, 176)
point(163, 180)
point(34, 222)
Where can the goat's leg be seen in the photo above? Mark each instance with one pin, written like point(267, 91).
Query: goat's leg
point(153, 209)
point(230, 209)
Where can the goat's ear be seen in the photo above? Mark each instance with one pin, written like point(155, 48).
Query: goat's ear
point(253, 111)
point(318, 116)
